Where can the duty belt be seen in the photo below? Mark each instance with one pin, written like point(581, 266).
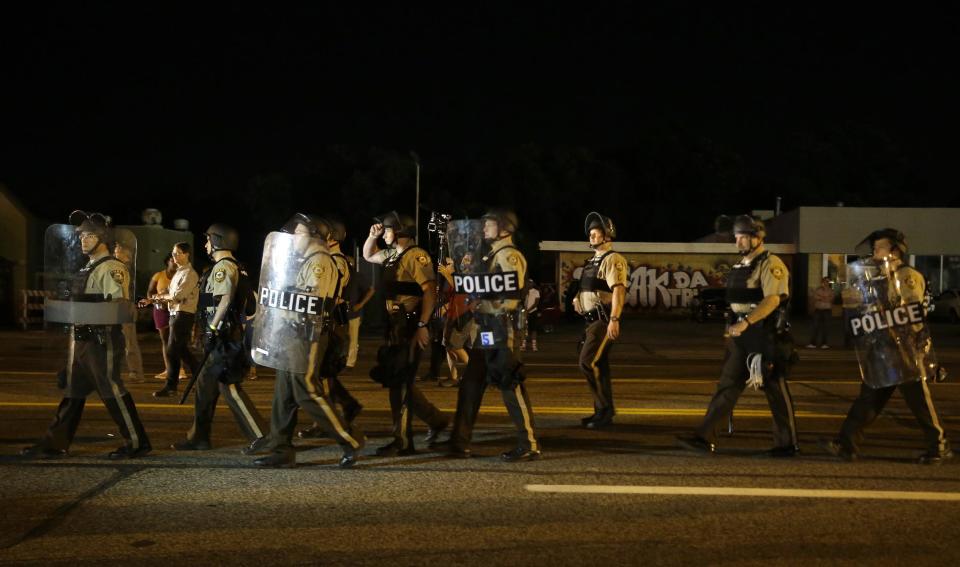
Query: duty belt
point(93, 332)
point(599, 313)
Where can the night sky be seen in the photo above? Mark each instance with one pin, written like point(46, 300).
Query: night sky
point(663, 116)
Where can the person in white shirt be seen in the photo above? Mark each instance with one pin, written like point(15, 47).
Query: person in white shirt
point(181, 299)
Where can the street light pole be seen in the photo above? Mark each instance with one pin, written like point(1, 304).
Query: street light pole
point(416, 208)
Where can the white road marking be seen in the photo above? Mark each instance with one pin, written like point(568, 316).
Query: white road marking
point(742, 491)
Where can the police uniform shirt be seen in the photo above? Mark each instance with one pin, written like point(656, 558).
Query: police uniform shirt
point(415, 266)
point(343, 267)
point(222, 281)
point(911, 285)
point(613, 270)
point(510, 260)
point(318, 276)
point(111, 279)
point(772, 277)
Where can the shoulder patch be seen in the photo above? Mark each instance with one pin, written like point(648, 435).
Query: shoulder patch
point(513, 259)
point(620, 266)
point(318, 270)
point(117, 275)
point(220, 275)
point(777, 272)
point(422, 258)
point(910, 282)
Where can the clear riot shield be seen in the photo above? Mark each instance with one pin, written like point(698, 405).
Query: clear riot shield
point(67, 269)
point(485, 288)
point(290, 315)
point(890, 330)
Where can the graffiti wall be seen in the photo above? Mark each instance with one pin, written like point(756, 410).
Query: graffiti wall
point(662, 283)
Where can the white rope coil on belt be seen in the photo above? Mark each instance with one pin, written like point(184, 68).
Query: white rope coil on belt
point(755, 364)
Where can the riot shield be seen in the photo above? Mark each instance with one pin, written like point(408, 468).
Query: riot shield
point(890, 330)
point(290, 315)
point(484, 286)
point(67, 269)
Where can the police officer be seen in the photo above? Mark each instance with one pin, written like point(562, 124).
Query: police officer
point(407, 282)
point(334, 359)
point(318, 276)
point(96, 351)
point(220, 310)
point(498, 366)
point(600, 300)
point(903, 285)
point(757, 290)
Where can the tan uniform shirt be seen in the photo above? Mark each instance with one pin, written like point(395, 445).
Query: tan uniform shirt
point(415, 266)
point(772, 276)
point(111, 278)
point(318, 275)
point(614, 270)
point(510, 260)
point(222, 281)
point(343, 267)
point(909, 285)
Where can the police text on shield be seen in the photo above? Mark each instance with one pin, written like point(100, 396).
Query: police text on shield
point(290, 301)
point(910, 314)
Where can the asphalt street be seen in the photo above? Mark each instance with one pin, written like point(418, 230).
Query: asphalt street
point(624, 495)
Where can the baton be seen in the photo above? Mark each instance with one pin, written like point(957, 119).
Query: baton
point(193, 379)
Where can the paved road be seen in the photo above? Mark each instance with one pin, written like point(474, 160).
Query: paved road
point(621, 496)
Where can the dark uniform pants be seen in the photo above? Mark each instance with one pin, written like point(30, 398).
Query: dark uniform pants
point(94, 365)
point(178, 347)
point(338, 348)
point(733, 379)
point(473, 384)
point(312, 393)
point(406, 399)
point(871, 402)
point(208, 390)
point(595, 365)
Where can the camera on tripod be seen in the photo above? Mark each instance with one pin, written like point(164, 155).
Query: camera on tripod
point(438, 222)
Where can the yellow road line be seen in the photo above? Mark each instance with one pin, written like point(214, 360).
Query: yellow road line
point(744, 491)
point(488, 410)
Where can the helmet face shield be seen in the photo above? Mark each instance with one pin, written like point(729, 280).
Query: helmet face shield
point(316, 226)
point(746, 224)
point(596, 220)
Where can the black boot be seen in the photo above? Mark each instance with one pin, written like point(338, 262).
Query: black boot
point(138, 444)
point(60, 433)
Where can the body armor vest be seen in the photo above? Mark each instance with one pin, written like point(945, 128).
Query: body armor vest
point(391, 286)
point(588, 277)
point(737, 290)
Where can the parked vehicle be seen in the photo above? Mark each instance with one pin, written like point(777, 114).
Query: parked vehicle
point(710, 304)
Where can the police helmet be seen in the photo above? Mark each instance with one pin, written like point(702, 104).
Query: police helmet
point(338, 230)
point(596, 220)
point(506, 220)
point(402, 225)
point(223, 237)
point(897, 239)
point(97, 223)
point(317, 225)
point(746, 224)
